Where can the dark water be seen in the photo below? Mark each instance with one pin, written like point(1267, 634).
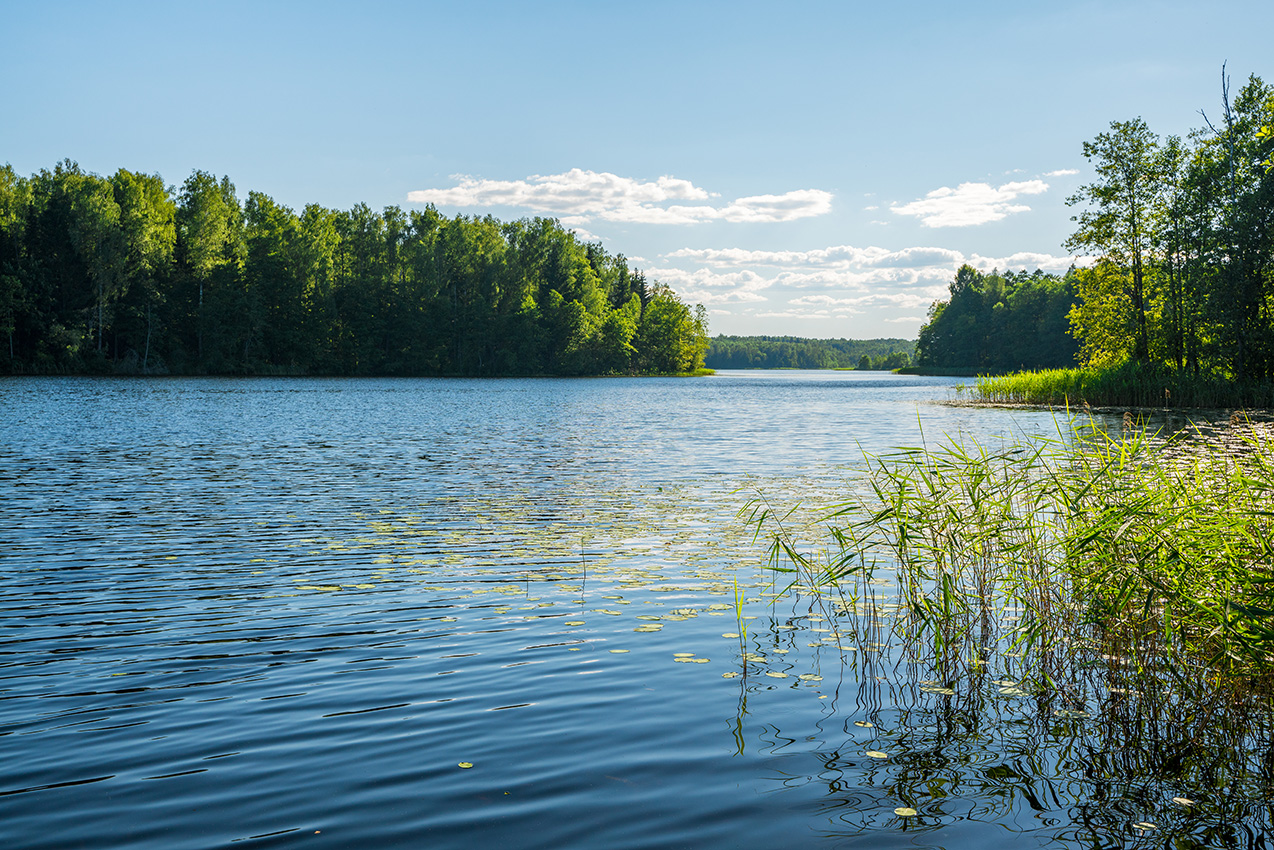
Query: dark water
point(285, 612)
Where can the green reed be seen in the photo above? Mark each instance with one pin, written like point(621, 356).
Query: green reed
point(1127, 385)
point(1053, 555)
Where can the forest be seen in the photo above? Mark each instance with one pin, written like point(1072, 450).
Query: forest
point(793, 352)
point(125, 275)
point(1180, 233)
point(1000, 322)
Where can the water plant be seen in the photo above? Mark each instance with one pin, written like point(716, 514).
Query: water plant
point(1125, 385)
point(1043, 557)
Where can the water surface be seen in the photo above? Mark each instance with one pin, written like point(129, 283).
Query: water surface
point(279, 612)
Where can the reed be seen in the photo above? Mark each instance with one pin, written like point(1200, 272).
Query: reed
point(1046, 557)
point(1126, 385)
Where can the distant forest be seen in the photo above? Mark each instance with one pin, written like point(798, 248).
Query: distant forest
point(794, 352)
point(124, 274)
point(1183, 233)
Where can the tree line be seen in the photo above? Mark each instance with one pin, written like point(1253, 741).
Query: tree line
point(124, 274)
point(1183, 235)
point(793, 352)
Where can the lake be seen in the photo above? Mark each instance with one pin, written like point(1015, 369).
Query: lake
point(500, 613)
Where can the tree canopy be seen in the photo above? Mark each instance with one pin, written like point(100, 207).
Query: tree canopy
point(1000, 322)
point(124, 274)
point(1183, 233)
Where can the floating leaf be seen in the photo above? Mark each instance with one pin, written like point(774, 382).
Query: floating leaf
point(774, 674)
point(730, 635)
point(905, 812)
point(1183, 801)
point(466, 764)
point(864, 724)
point(574, 622)
point(932, 689)
point(876, 754)
point(683, 655)
point(810, 677)
point(617, 651)
point(1145, 826)
point(730, 675)
point(1014, 691)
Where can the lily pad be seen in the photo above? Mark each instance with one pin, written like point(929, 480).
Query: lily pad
point(905, 812)
point(465, 764)
point(876, 754)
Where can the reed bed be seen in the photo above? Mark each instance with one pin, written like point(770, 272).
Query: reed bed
point(1127, 385)
point(1042, 560)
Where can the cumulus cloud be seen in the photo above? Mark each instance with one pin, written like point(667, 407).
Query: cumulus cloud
point(1061, 172)
point(970, 203)
point(579, 197)
point(835, 280)
point(908, 319)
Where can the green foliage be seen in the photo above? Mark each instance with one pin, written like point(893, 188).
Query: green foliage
point(1059, 555)
point(123, 275)
point(792, 352)
point(997, 322)
point(1128, 384)
point(1183, 235)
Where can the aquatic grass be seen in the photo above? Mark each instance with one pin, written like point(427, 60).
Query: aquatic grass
point(1049, 556)
point(1125, 385)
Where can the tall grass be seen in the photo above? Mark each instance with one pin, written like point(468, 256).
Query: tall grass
point(1127, 385)
point(1050, 556)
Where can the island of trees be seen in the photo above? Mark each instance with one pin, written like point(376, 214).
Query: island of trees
point(124, 274)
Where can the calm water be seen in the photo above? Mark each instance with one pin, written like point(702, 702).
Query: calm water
point(285, 612)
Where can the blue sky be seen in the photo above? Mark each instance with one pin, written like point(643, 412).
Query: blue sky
point(818, 169)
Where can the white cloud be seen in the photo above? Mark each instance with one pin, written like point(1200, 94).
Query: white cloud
point(1061, 172)
point(833, 279)
point(908, 319)
point(579, 197)
point(970, 203)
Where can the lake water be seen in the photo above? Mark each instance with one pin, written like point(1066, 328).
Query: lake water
point(501, 613)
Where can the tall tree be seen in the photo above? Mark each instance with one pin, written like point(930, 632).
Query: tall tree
point(1117, 227)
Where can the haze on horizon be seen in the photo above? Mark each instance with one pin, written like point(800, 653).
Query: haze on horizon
point(818, 170)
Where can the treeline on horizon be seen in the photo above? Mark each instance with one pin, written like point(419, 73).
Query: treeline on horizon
point(127, 275)
point(1183, 282)
point(794, 352)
